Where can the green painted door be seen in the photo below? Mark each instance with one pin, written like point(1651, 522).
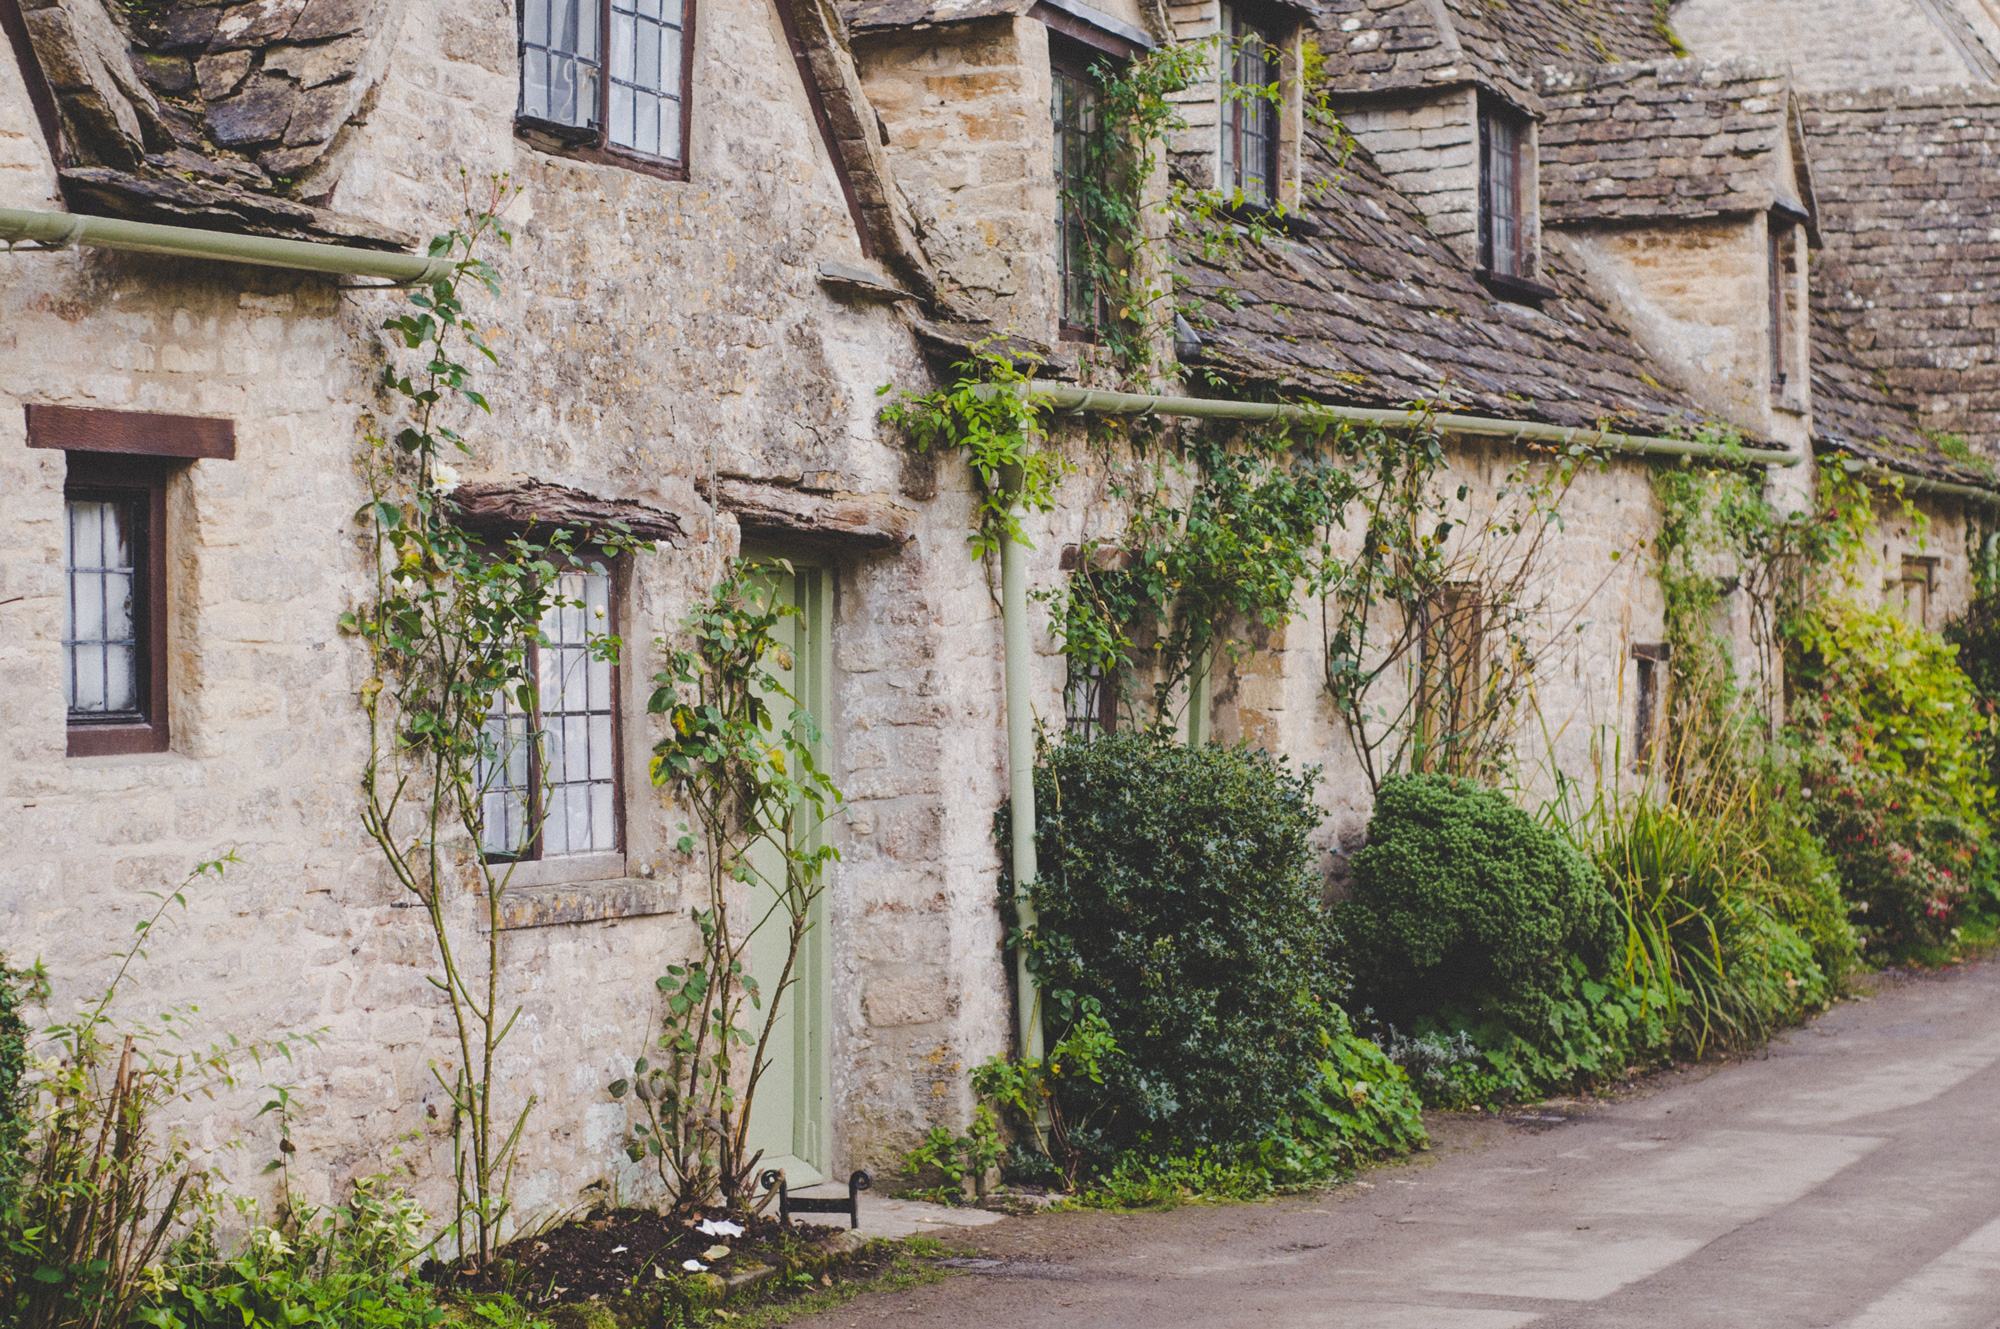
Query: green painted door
point(788, 1116)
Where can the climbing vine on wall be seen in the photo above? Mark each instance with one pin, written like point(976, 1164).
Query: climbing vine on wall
point(1133, 226)
point(447, 623)
point(994, 416)
point(1437, 627)
point(1221, 537)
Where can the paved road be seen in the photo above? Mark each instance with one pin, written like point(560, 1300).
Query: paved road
point(1850, 1178)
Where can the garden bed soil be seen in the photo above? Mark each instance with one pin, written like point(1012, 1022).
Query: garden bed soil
point(625, 1252)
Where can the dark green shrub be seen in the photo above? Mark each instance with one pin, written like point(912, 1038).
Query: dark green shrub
point(1179, 889)
point(1462, 900)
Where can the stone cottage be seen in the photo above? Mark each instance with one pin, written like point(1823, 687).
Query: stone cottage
point(735, 222)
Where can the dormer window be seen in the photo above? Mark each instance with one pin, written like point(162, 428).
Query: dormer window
point(607, 80)
point(1506, 192)
point(1073, 105)
point(1251, 99)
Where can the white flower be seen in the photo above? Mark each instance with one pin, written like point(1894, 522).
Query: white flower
point(717, 1227)
point(694, 1266)
point(444, 478)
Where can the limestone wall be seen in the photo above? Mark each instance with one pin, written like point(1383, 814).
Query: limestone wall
point(651, 334)
point(966, 107)
point(1430, 152)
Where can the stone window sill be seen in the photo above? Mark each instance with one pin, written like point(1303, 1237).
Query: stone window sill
point(555, 903)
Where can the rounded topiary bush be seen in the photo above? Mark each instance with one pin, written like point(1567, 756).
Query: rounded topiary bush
point(1179, 889)
point(1462, 901)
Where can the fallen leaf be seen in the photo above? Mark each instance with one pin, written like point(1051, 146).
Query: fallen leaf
point(716, 1253)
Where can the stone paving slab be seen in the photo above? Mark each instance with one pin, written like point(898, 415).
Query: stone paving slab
point(882, 1216)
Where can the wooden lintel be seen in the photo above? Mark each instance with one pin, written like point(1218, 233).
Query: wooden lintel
point(506, 507)
point(782, 512)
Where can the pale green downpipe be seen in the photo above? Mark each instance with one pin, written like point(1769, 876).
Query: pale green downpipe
point(1020, 762)
point(66, 230)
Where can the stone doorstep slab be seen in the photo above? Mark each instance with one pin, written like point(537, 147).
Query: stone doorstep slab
point(884, 1217)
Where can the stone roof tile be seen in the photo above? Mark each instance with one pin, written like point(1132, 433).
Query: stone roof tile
point(1377, 46)
point(1374, 310)
point(1906, 293)
point(1668, 138)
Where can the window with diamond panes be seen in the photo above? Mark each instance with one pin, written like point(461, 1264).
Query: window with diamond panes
point(562, 763)
point(1249, 112)
point(1073, 100)
point(609, 76)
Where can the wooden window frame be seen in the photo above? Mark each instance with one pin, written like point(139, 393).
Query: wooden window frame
point(1073, 58)
point(141, 481)
point(618, 570)
point(1647, 704)
point(592, 143)
point(1272, 30)
point(1522, 264)
point(1780, 237)
point(129, 453)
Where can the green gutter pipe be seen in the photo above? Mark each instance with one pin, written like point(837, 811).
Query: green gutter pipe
point(66, 230)
point(1082, 401)
point(1916, 483)
point(1020, 764)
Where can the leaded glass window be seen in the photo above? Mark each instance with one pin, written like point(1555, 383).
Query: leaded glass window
point(646, 76)
point(1073, 109)
point(613, 71)
point(102, 645)
point(1506, 231)
point(548, 781)
point(1249, 109)
point(560, 64)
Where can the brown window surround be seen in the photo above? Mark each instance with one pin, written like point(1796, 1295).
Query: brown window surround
point(509, 792)
point(119, 463)
point(1252, 58)
point(1073, 106)
point(1781, 239)
point(569, 106)
point(1506, 191)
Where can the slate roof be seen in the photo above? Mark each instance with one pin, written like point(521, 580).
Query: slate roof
point(1374, 310)
point(1667, 138)
point(205, 113)
point(1906, 292)
point(1377, 46)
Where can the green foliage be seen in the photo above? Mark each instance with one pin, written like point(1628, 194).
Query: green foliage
point(1895, 748)
point(98, 1189)
point(18, 987)
point(1251, 530)
point(752, 781)
point(447, 630)
point(1461, 900)
point(1708, 916)
point(345, 1269)
point(1058, 1098)
point(1896, 693)
point(1179, 890)
point(994, 415)
point(1359, 1105)
point(1592, 1031)
point(958, 1159)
